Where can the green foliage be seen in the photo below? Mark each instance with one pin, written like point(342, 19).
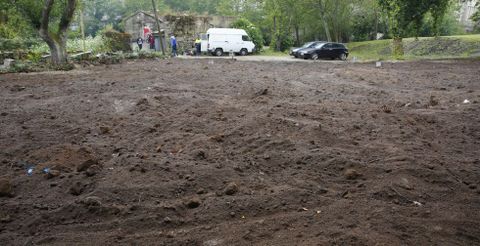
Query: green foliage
point(279, 22)
point(448, 26)
point(252, 31)
point(437, 9)
point(282, 42)
point(476, 17)
point(12, 24)
point(32, 13)
point(267, 51)
point(18, 44)
point(200, 7)
point(34, 56)
point(423, 48)
point(96, 45)
point(97, 14)
point(20, 68)
point(407, 13)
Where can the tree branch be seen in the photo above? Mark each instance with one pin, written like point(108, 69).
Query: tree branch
point(47, 9)
point(67, 16)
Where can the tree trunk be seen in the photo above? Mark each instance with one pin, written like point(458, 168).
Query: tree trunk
point(3, 17)
point(82, 30)
point(327, 32)
point(58, 53)
point(398, 51)
point(278, 42)
point(158, 26)
point(336, 31)
point(57, 43)
point(297, 35)
point(375, 32)
point(325, 25)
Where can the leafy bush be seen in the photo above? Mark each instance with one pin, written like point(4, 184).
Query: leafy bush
point(18, 44)
point(96, 45)
point(252, 31)
point(286, 42)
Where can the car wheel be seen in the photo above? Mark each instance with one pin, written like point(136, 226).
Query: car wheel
point(343, 57)
point(243, 52)
point(218, 52)
point(315, 57)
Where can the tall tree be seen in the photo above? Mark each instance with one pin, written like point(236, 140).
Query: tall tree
point(402, 13)
point(322, 6)
point(438, 8)
point(51, 18)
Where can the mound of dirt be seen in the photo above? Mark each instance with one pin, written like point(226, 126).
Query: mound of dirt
point(64, 158)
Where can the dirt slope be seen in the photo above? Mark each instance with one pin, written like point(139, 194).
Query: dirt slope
point(190, 152)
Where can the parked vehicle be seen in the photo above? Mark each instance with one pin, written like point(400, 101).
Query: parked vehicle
point(225, 40)
point(295, 51)
point(325, 50)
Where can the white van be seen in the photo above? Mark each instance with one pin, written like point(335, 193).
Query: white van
point(226, 40)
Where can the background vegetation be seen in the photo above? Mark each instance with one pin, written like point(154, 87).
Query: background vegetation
point(278, 24)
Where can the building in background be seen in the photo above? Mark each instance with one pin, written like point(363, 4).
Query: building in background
point(467, 9)
point(185, 27)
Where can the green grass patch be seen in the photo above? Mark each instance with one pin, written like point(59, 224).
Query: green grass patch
point(266, 51)
point(424, 48)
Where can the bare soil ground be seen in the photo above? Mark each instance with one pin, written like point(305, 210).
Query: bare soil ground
point(218, 152)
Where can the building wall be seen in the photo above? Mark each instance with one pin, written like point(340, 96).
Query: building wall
point(134, 24)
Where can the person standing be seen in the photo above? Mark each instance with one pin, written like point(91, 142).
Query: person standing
point(140, 43)
point(151, 41)
point(173, 43)
point(198, 46)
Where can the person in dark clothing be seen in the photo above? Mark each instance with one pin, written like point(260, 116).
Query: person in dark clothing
point(151, 41)
point(140, 43)
point(173, 43)
point(198, 46)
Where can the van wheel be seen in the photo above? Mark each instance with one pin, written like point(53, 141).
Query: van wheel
point(243, 52)
point(218, 52)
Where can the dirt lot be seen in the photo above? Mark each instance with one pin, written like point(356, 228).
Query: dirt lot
point(218, 152)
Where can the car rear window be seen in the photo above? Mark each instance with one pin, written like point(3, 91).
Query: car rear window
point(338, 46)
